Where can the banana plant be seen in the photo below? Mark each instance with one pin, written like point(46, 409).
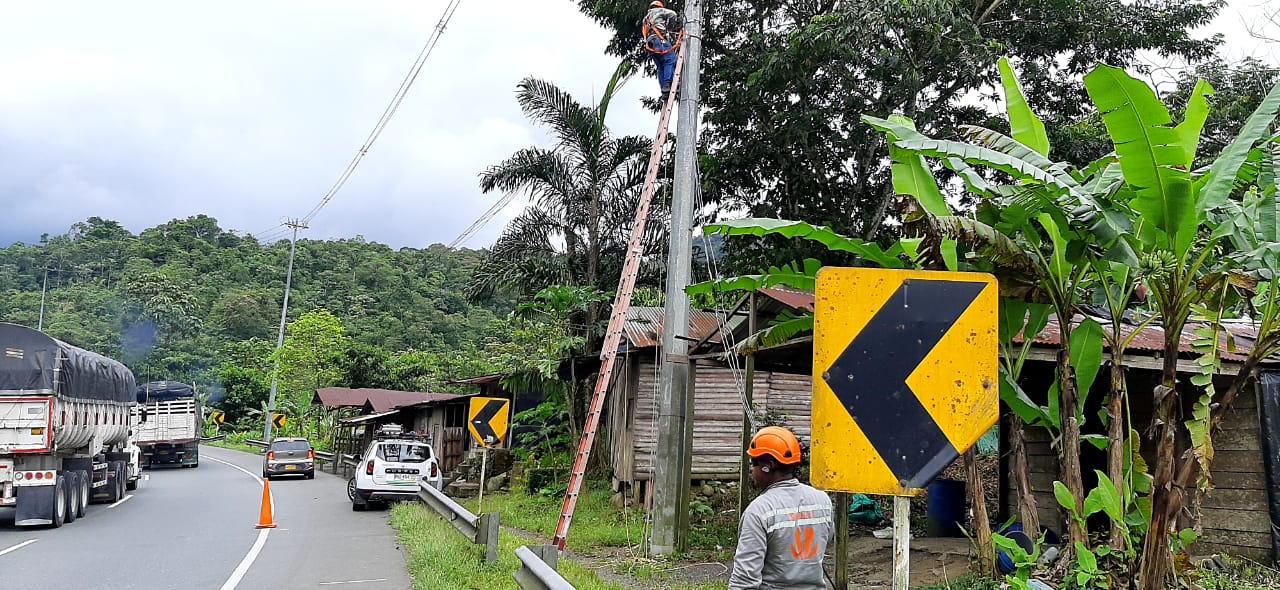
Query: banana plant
point(1156, 157)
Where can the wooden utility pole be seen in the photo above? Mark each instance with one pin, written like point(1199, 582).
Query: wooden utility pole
point(675, 409)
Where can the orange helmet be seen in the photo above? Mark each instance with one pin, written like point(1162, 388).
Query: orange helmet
point(657, 4)
point(777, 442)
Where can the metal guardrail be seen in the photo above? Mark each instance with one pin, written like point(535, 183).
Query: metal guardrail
point(256, 443)
point(480, 530)
point(538, 569)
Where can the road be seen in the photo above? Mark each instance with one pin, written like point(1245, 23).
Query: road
point(194, 528)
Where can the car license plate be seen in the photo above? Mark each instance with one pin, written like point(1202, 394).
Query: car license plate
point(402, 477)
point(290, 467)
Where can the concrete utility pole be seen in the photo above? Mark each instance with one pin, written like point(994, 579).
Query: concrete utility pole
point(284, 312)
point(675, 419)
point(44, 287)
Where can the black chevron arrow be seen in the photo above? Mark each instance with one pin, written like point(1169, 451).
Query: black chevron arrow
point(484, 418)
point(870, 377)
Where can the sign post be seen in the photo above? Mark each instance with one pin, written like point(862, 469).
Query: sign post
point(905, 380)
point(488, 420)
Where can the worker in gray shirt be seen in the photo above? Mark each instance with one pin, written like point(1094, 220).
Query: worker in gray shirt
point(661, 30)
point(785, 531)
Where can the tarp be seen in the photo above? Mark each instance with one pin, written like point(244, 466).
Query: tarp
point(163, 391)
point(31, 360)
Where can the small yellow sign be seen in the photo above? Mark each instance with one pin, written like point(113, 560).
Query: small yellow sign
point(488, 420)
point(905, 375)
point(278, 420)
point(218, 417)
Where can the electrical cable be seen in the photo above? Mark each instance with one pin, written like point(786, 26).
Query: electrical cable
point(387, 113)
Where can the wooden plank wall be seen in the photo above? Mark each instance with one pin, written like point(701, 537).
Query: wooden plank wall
point(1235, 516)
point(717, 428)
point(1042, 465)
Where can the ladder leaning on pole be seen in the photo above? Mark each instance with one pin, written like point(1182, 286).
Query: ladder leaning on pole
point(621, 303)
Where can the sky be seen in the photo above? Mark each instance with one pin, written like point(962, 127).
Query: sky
point(146, 111)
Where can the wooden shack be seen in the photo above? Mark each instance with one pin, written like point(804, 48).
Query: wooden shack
point(1235, 514)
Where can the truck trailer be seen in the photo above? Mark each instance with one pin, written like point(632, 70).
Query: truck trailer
point(66, 433)
point(170, 420)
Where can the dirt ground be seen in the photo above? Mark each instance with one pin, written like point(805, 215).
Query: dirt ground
point(932, 560)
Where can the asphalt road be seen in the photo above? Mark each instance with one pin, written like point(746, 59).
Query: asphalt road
point(194, 528)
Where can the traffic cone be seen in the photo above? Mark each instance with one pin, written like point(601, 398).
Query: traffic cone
point(265, 520)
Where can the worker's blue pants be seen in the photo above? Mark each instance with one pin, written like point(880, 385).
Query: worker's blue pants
point(666, 62)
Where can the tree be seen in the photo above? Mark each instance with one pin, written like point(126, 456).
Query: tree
point(784, 83)
point(584, 193)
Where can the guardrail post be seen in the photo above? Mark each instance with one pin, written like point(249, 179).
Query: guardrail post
point(538, 569)
point(487, 535)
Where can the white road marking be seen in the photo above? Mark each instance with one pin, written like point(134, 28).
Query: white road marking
point(252, 555)
point(353, 582)
point(122, 501)
point(245, 563)
point(18, 546)
point(250, 474)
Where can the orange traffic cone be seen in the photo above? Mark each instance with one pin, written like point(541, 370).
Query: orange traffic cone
point(265, 520)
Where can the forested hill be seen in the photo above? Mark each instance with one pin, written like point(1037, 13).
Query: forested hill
point(169, 300)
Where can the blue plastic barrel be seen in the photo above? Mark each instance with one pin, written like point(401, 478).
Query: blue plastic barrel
point(946, 516)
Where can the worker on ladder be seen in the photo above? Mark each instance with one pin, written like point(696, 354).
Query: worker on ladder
point(662, 31)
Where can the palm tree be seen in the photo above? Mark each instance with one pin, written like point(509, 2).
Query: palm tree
point(583, 190)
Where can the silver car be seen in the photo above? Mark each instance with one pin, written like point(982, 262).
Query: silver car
point(289, 456)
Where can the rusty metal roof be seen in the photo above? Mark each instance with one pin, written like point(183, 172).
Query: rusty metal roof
point(1151, 339)
point(644, 326)
point(792, 298)
point(380, 400)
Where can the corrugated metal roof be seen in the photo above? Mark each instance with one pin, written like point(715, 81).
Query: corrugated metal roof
point(792, 298)
point(380, 399)
point(644, 326)
point(1151, 338)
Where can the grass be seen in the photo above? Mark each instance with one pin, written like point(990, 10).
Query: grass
point(1239, 574)
point(226, 444)
point(596, 523)
point(966, 582)
point(440, 558)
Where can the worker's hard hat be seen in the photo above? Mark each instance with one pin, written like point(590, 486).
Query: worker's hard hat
point(657, 4)
point(777, 442)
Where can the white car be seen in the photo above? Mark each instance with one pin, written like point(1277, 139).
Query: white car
point(391, 469)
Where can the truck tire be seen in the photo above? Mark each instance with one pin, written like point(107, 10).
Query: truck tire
point(113, 482)
point(59, 504)
point(85, 493)
point(72, 494)
point(122, 472)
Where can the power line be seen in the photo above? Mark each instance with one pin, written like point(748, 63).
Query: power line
point(483, 220)
point(282, 229)
point(389, 111)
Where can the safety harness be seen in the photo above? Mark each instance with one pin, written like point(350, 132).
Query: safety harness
point(648, 30)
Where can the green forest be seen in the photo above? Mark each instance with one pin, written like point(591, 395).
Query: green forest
point(190, 301)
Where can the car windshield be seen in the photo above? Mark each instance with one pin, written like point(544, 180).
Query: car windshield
point(290, 445)
point(404, 452)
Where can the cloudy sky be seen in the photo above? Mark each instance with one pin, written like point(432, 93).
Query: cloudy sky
point(143, 112)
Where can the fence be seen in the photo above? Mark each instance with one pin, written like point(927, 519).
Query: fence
point(480, 530)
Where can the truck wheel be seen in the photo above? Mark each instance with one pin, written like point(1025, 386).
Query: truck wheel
point(59, 504)
point(85, 492)
point(73, 495)
point(122, 473)
point(113, 483)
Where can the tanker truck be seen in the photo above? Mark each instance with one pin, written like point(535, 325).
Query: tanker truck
point(170, 418)
point(66, 437)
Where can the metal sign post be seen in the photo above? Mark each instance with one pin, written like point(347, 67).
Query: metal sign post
point(905, 380)
point(484, 463)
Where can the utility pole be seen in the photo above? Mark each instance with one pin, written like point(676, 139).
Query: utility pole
point(284, 312)
point(675, 413)
point(44, 286)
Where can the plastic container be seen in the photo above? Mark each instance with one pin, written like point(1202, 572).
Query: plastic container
point(946, 512)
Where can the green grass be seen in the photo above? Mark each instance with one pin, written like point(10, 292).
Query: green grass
point(441, 559)
point(1240, 574)
point(596, 523)
point(226, 444)
point(966, 582)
